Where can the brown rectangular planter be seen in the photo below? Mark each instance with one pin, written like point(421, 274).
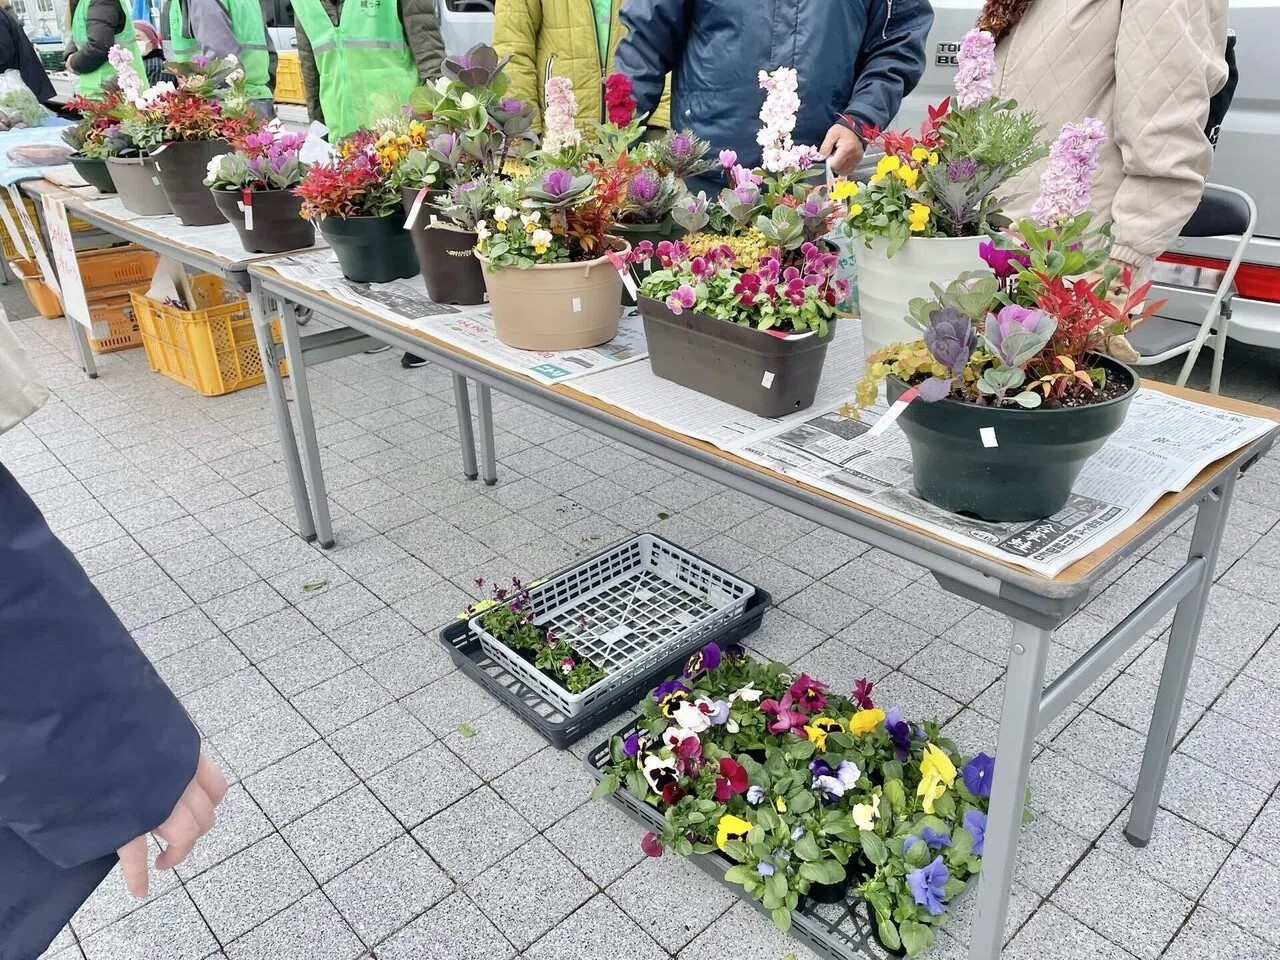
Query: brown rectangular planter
point(767, 375)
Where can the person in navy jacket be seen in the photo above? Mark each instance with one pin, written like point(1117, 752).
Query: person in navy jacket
point(95, 750)
point(857, 58)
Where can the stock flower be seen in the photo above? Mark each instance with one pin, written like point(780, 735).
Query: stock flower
point(862, 693)
point(977, 775)
point(786, 718)
point(1003, 263)
point(669, 695)
point(682, 299)
point(809, 692)
point(541, 239)
point(559, 128)
point(731, 781)
point(778, 121)
point(620, 105)
point(918, 217)
point(928, 886)
point(731, 828)
point(865, 721)
point(899, 733)
point(1068, 175)
point(755, 794)
point(975, 821)
point(660, 771)
point(865, 815)
point(818, 729)
point(975, 68)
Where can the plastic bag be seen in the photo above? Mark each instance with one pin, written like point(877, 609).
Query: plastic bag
point(18, 105)
point(39, 155)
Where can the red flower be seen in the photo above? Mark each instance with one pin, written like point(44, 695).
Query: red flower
point(732, 779)
point(862, 694)
point(620, 105)
point(809, 692)
point(671, 794)
point(651, 845)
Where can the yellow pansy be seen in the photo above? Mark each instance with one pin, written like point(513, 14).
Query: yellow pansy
point(933, 159)
point(731, 828)
point(919, 153)
point(844, 189)
point(931, 789)
point(818, 729)
point(936, 761)
point(887, 165)
point(908, 175)
point(865, 721)
point(855, 209)
point(780, 804)
point(865, 815)
point(918, 217)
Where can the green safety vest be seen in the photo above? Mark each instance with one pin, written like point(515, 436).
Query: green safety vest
point(90, 84)
point(365, 65)
point(249, 29)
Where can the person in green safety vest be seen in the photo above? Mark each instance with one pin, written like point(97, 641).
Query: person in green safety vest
point(97, 26)
point(224, 28)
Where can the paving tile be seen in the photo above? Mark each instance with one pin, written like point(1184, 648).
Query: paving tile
point(423, 784)
point(446, 704)
point(1103, 746)
point(671, 899)
point(305, 665)
point(529, 893)
point(931, 608)
point(1263, 838)
point(372, 744)
point(399, 580)
point(602, 841)
point(193, 556)
point(150, 605)
point(782, 581)
point(1244, 890)
point(952, 670)
point(1054, 935)
point(454, 842)
point(239, 894)
point(914, 699)
point(263, 739)
point(869, 581)
point(1235, 626)
point(168, 928)
point(312, 927)
point(1081, 800)
point(546, 787)
point(341, 700)
point(410, 667)
point(111, 900)
point(1207, 931)
point(783, 638)
point(272, 634)
point(272, 559)
point(455, 929)
point(338, 834)
point(1047, 852)
point(743, 933)
point(241, 823)
point(200, 665)
point(174, 634)
point(824, 607)
point(387, 889)
point(1245, 752)
point(493, 744)
point(1218, 803)
point(338, 606)
point(244, 606)
point(597, 929)
point(298, 784)
point(1180, 855)
point(886, 638)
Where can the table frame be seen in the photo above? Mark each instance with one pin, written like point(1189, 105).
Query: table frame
point(1035, 606)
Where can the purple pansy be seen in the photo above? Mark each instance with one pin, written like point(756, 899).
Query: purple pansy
point(977, 775)
point(975, 821)
point(899, 733)
point(928, 886)
point(708, 658)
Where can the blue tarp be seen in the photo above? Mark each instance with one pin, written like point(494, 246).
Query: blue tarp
point(50, 132)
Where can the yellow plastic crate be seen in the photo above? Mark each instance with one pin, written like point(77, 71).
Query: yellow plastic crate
point(210, 349)
point(7, 245)
point(289, 87)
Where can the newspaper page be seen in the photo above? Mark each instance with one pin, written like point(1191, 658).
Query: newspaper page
point(1164, 443)
point(407, 303)
point(220, 240)
point(638, 390)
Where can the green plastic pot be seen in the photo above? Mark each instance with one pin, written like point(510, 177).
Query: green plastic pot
point(1006, 464)
point(371, 249)
point(93, 170)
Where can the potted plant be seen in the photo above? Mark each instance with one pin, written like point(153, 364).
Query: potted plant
point(1016, 382)
point(253, 188)
point(358, 207)
point(804, 794)
point(744, 312)
point(127, 142)
point(89, 137)
point(449, 265)
point(926, 208)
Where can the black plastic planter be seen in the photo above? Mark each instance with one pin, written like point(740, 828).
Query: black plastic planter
point(182, 167)
point(277, 220)
point(1002, 463)
point(371, 249)
point(94, 172)
point(767, 375)
point(445, 255)
point(138, 184)
point(829, 892)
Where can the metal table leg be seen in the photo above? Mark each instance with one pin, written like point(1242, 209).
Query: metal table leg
point(310, 442)
point(1206, 539)
point(466, 435)
point(280, 410)
point(1028, 654)
point(488, 458)
point(80, 337)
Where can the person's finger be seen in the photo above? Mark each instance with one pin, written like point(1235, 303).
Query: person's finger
point(133, 865)
point(843, 160)
point(830, 143)
point(180, 833)
point(201, 808)
point(211, 780)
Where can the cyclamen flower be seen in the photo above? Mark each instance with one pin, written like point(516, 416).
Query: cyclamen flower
point(1068, 176)
point(1003, 263)
point(728, 158)
point(977, 65)
point(559, 131)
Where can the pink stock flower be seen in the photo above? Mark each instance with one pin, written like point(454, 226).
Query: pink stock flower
point(977, 65)
point(559, 129)
point(1068, 176)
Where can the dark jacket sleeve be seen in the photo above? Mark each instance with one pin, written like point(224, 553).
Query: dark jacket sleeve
point(422, 30)
point(310, 75)
point(652, 46)
point(105, 20)
point(891, 60)
point(94, 748)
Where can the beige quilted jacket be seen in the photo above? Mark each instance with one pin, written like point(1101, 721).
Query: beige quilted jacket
point(1147, 69)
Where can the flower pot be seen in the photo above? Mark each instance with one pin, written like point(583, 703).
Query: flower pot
point(371, 249)
point(864, 910)
point(555, 306)
point(93, 170)
point(277, 220)
point(138, 184)
point(886, 286)
point(829, 892)
point(770, 376)
point(182, 166)
point(1006, 464)
point(655, 233)
point(445, 255)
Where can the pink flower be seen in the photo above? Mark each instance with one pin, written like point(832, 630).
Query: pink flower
point(740, 175)
point(559, 130)
point(786, 718)
point(810, 692)
point(1068, 176)
point(977, 65)
point(1003, 263)
point(728, 158)
point(683, 299)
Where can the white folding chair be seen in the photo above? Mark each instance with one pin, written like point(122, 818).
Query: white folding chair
point(1223, 212)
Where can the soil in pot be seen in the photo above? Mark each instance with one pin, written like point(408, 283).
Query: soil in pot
point(1004, 464)
point(138, 184)
point(555, 306)
point(94, 172)
point(445, 254)
point(182, 167)
point(277, 224)
point(768, 375)
point(371, 249)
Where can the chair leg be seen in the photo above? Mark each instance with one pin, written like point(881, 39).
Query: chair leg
point(1219, 350)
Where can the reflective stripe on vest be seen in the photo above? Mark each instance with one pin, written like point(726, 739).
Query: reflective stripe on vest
point(90, 84)
point(365, 65)
point(250, 32)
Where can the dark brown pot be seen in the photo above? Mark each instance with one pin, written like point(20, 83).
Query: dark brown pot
point(277, 220)
point(182, 167)
point(445, 254)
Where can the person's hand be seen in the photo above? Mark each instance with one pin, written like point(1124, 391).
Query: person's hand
point(842, 148)
point(191, 819)
point(67, 65)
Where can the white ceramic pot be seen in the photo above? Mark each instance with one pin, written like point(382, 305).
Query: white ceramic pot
point(886, 286)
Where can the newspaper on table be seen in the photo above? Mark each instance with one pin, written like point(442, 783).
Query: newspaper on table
point(1164, 443)
point(220, 240)
point(407, 303)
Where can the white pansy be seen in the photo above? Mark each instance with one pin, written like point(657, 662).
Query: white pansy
point(688, 717)
point(748, 694)
point(501, 212)
point(541, 238)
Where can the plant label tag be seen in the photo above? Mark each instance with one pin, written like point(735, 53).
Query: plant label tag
point(899, 405)
point(156, 181)
point(577, 304)
point(416, 209)
point(247, 206)
point(988, 435)
point(767, 380)
point(624, 272)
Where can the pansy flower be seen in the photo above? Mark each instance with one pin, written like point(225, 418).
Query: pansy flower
point(862, 694)
point(708, 658)
point(977, 775)
point(731, 828)
point(937, 773)
point(819, 728)
point(865, 815)
point(660, 771)
point(731, 781)
point(865, 721)
point(935, 840)
point(748, 694)
point(975, 821)
point(651, 845)
point(899, 733)
point(786, 718)
point(689, 755)
point(636, 745)
point(928, 886)
point(690, 717)
point(809, 692)
point(670, 695)
point(671, 794)
point(755, 794)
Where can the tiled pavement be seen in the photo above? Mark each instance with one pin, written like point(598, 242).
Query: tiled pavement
point(382, 805)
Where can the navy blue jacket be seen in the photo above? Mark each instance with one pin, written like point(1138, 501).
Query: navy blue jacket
point(855, 57)
point(94, 748)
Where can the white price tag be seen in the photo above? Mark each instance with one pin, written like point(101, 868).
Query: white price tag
point(988, 435)
point(899, 405)
point(577, 304)
point(416, 209)
point(247, 205)
point(767, 380)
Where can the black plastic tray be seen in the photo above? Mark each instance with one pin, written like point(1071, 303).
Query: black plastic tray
point(837, 931)
point(559, 730)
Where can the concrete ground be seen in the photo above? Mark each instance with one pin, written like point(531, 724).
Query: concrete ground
point(363, 821)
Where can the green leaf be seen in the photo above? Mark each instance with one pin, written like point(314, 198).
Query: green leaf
point(961, 845)
point(313, 585)
point(637, 785)
point(607, 785)
point(918, 855)
point(782, 919)
point(874, 848)
point(807, 848)
point(776, 884)
point(823, 871)
point(801, 802)
point(888, 933)
point(953, 888)
point(916, 937)
point(467, 730)
point(740, 874)
point(664, 516)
